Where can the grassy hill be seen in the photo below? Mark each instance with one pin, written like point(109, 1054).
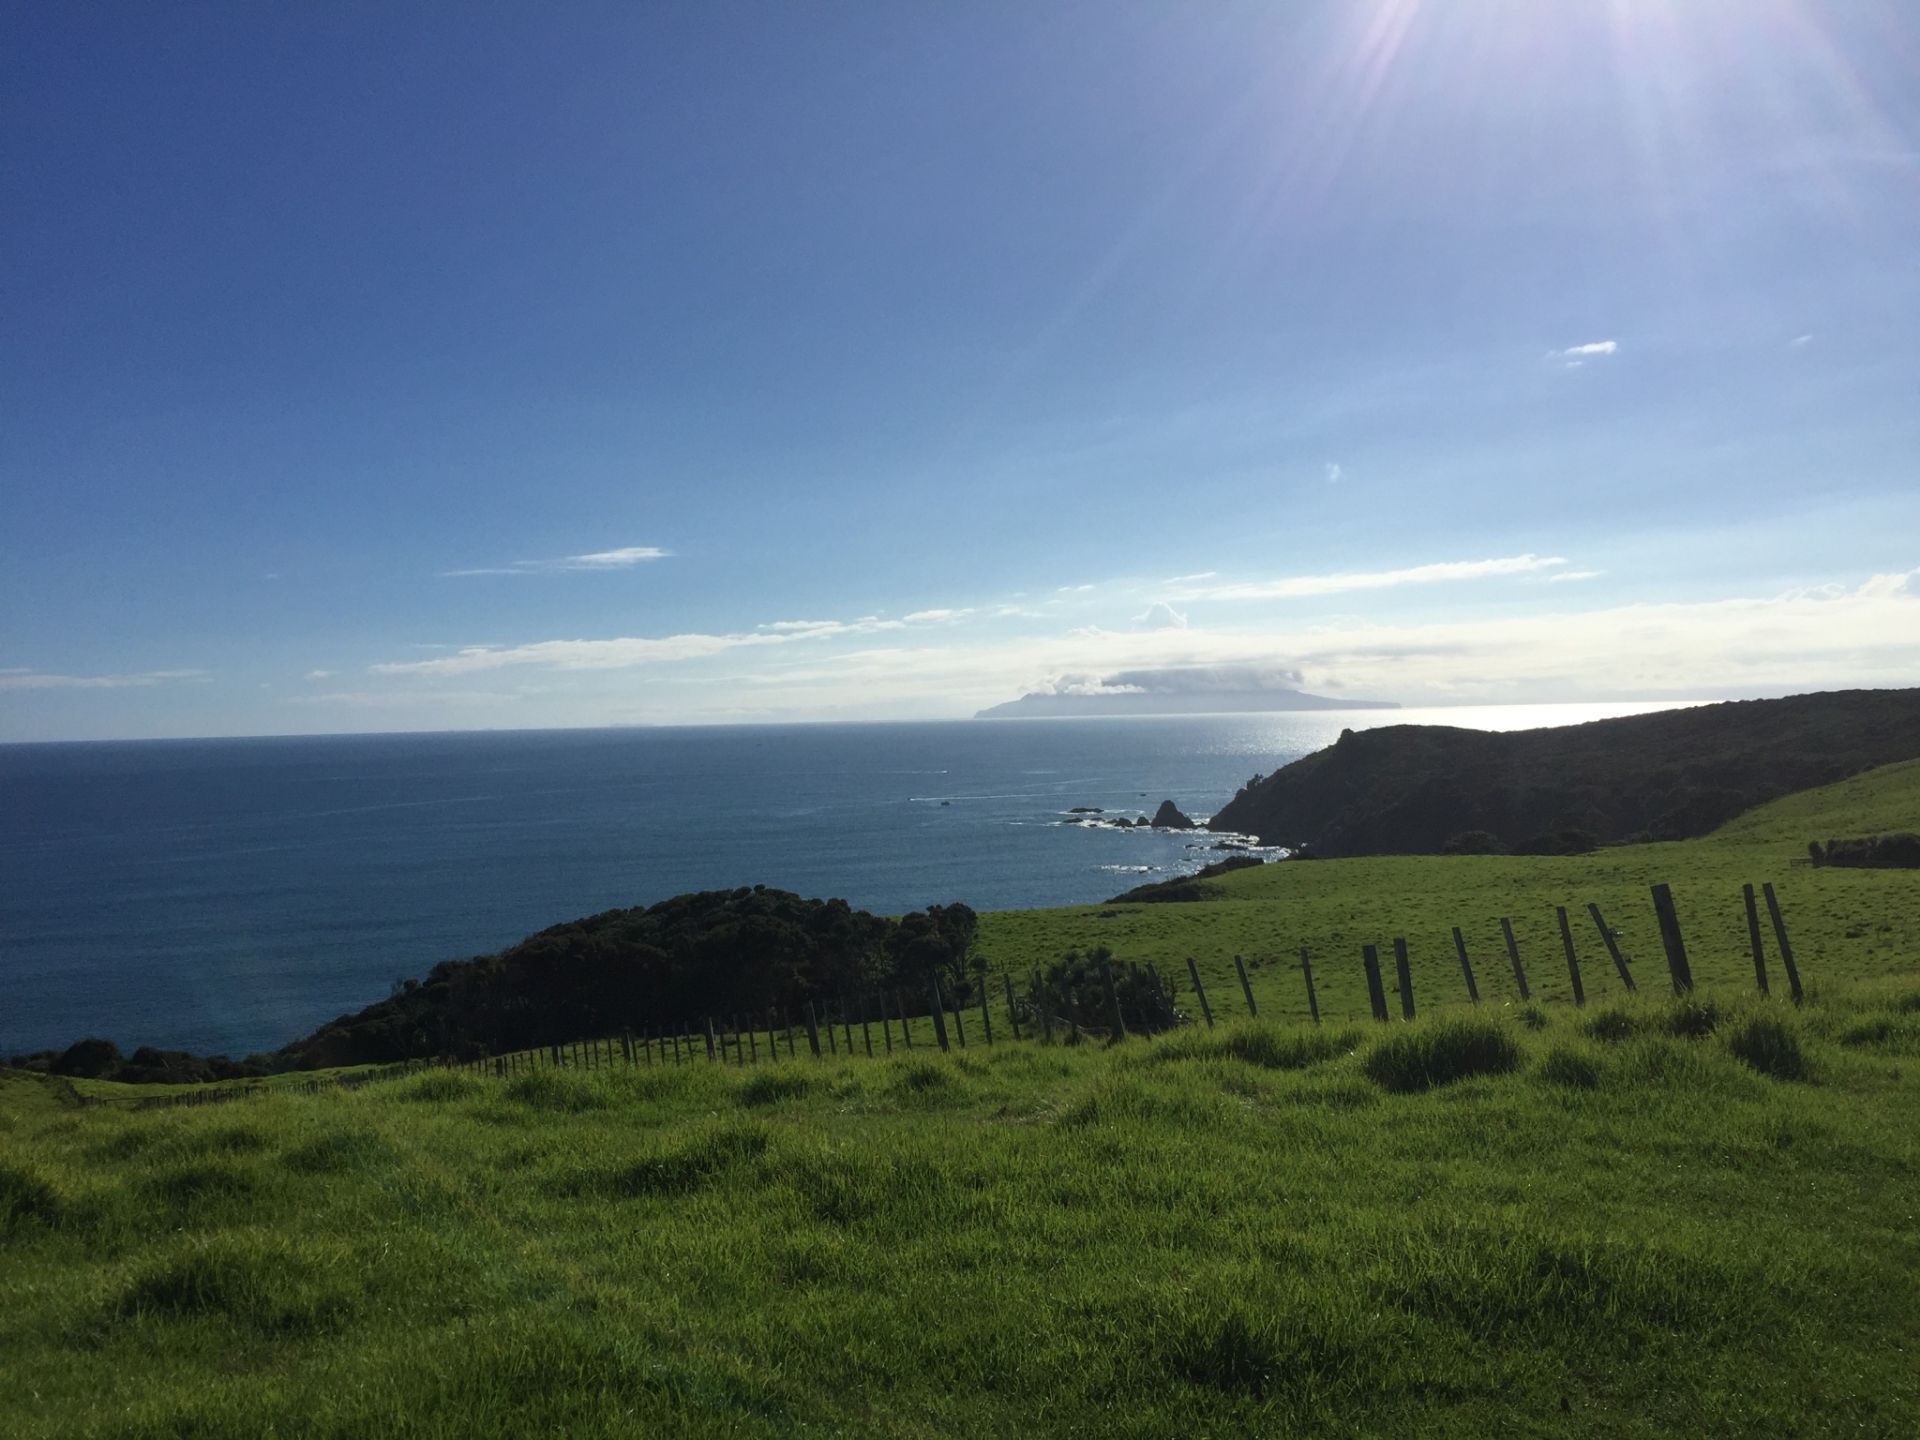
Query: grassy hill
point(1641, 1219)
point(1410, 789)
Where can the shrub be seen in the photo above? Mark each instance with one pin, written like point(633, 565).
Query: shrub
point(1419, 1059)
point(88, 1059)
point(1146, 1002)
point(1474, 842)
point(1769, 1046)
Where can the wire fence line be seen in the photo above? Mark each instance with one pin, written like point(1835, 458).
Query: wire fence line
point(825, 1029)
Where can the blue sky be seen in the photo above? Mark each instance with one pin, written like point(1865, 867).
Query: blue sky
point(433, 366)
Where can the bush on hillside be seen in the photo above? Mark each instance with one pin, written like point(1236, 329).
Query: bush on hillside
point(1073, 990)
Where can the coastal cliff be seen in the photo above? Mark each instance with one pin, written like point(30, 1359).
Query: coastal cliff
point(1422, 789)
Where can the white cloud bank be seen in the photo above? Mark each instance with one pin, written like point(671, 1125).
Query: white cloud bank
point(1865, 634)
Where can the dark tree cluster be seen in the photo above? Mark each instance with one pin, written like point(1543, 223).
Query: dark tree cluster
point(717, 953)
point(1900, 851)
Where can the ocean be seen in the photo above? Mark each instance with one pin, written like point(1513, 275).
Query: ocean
point(225, 896)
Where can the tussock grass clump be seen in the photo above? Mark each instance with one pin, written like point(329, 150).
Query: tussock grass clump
point(1533, 1017)
point(264, 1283)
point(561, 1090)
point(769, 1087)
point(1420, 1058)
point(1770, 1046)
point(202, 1185)
point(1266, 1046)
point(338, 1152)
point(1130, 1101)
point(1693, 1019)
point(676, 1168)
point(25, 1198)
point(921, 1077)
point(1285, 1351)
point(1909, 1003)
point(1570, 1066)
point(438, 1087)
point(1611, 1025)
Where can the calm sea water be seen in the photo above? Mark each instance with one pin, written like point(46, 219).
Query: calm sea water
point(228, 895)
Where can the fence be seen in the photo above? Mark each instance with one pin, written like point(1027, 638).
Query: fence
point(826, 1028)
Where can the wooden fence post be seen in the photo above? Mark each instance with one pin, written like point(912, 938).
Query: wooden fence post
point(1405, 974)
point(1113, 1004)
point(1245, 988)
point(1306, 969)
point(846, 1024)
point(886, 1025)
point(813, 1031)
point(1670, 937)
point(1573, 960)
point(1753, 938)
point(1513, 954)
point(866, 1023)
point(939, 1011)
point(1466, 965)
point(986, 1020)
point(753, 1041)
point(906, 1029)
point(710, 1041)
point(1376, 993)
point(773, 1039)
point(786, 1024)
point(959, 1021)
point(826, 1019)
point(1613, 948)
point(1200, 990)
point(1046, 1010)
point(1786, 947)
point(1013, 1008)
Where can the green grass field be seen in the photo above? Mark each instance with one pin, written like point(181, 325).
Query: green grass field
point(1643, 1218)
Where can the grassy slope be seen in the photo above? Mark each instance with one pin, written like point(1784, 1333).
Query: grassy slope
point(1843, 923)
point(1212, 1233)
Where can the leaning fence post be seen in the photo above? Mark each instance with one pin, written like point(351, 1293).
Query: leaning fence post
point(1786, 948)
point(1013, 1008)
point(1670, 937)
point(959, 1020)
point(1046, 1008)
point(1753, 938)
point(1513, 954)
point(886, 1025)
point(1245, 988)
point(1613, 948)
point(1200, 990)
point(1113, 1003)
point(1466, 965)
point(846, 1025)
point(813, 1031)
point(906, 1029)
point(986, 1020)
point(710, 1040)
point(773, 1040)
point(753, 1040)
point(939, 1011)
point(1306, 969)
point(1376, 992)
point(1405, 974)
point(1573, 960)
point(866, 1023)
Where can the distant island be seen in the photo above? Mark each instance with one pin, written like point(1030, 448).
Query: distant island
point(1191, 690)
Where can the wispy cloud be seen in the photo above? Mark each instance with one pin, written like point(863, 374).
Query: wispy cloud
point(17, 679)
point(1566, 575)
point(1297, 586)
point(1588, 351)
point(1334, 473)
point(1801, 340)
point(1161, 616)
point(626, 651)
point(320, 674)
point(624, 558)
